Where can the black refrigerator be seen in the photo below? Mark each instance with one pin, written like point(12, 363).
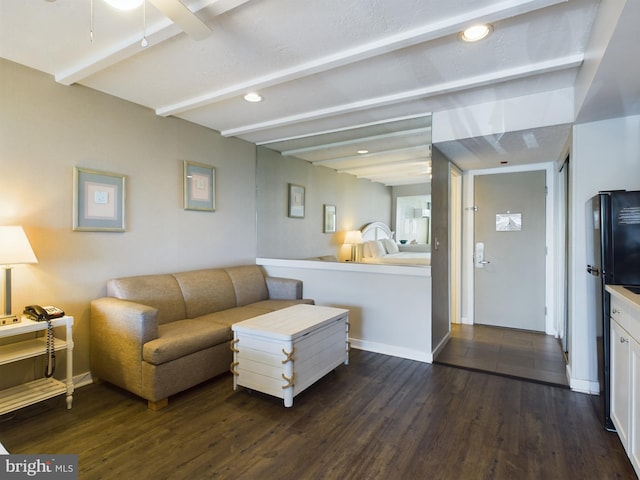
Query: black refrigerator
point(613, 258)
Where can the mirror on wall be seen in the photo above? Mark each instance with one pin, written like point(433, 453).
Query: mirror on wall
point(413, 219)
point(356, 170)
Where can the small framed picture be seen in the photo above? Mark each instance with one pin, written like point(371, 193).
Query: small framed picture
point(296, 201)
point(98, 201)
point(199, 187)
point(329, 215)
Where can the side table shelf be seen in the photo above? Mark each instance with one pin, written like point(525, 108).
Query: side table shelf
point(41, 389)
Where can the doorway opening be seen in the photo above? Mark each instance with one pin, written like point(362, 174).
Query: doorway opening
point(523, 353)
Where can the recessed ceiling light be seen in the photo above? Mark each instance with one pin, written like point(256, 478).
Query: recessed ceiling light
point(363, 151)
point(476, 32)
point(125, 4)
point(253, 97)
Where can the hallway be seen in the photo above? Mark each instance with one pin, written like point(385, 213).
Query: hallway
point(513, 353)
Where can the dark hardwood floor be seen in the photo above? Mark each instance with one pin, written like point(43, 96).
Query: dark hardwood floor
point(380, 417)
point(515, 353)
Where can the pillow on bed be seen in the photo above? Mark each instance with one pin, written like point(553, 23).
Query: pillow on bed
point(390, 246)
point(376, 248)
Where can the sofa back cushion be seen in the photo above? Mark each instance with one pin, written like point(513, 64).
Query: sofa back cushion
point(158, 291)
point(249, 284)
point(206, 291)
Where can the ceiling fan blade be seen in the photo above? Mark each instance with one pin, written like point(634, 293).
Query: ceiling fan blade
point(183, 17)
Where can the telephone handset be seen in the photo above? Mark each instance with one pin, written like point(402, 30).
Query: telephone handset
point(43, 313)
point(46, 314)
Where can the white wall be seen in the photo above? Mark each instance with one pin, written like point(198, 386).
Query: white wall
point(605, 156)
point(389, 312)
point(46, 129)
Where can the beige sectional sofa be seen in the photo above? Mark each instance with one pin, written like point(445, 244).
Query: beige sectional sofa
point(157, 335)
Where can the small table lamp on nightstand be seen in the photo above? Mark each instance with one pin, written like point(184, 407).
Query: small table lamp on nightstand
point(354, 238)
point(15, 249)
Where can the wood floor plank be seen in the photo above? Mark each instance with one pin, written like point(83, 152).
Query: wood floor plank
point(378, 417)
point(503, 351)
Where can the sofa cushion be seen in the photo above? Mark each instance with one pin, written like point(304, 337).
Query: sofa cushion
point(158, 291)
point(206, 291)
point(183, 337)
point(249, 284)
point(233, 315)
point(239, 314)
point(273, 305)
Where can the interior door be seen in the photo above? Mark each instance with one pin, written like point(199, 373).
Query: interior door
point(509, 256)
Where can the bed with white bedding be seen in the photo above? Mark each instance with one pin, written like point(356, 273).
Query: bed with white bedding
point(379, 247)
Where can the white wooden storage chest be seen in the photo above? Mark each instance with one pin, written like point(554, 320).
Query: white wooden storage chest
point(283, 352)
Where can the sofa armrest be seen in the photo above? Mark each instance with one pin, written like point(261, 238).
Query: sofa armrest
point(284, 288)
point(119, 329)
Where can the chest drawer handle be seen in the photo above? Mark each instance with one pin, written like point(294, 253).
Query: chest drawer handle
point(288, 356)
point(232, 345)
point(289, 381)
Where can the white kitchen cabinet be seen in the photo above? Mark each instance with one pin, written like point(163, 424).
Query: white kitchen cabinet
point(620, 391)
point(634, 434)
point(625, 370)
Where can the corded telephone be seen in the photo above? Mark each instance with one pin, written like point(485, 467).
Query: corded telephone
point(46, 314)
point(43, 313)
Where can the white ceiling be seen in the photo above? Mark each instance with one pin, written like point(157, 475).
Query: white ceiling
point(346, 74)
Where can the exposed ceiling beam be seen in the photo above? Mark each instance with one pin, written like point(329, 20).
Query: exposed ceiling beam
point(398, 175)
point(422, 150)
point(350, 127)
point(355, 141)
point(515, 73)
point(183, 17)
point(393, 181)
point(491, 13)
point(117, 52)
point(387, 166)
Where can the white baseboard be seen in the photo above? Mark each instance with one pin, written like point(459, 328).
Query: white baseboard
point(82, 380)
point(441, 345)
point(582, 386)
point(392, 350)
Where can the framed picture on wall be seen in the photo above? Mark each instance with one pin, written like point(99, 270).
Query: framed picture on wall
point(199, 187)
point(329, 215)
point(296, 201)
point(98, 201)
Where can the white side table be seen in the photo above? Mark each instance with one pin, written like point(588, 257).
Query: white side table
point(41, 389)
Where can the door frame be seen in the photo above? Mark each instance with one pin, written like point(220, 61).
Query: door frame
point(468, 232)
point(455, 248)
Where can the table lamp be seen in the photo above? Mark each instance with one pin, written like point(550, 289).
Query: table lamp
point(354, 238)
point(15, 249)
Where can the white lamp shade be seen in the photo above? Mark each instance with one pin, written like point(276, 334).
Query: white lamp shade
point(353, 237)
point(15, 248)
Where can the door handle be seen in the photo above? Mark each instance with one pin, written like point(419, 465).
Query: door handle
point(593, 270)
point(478, 255)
